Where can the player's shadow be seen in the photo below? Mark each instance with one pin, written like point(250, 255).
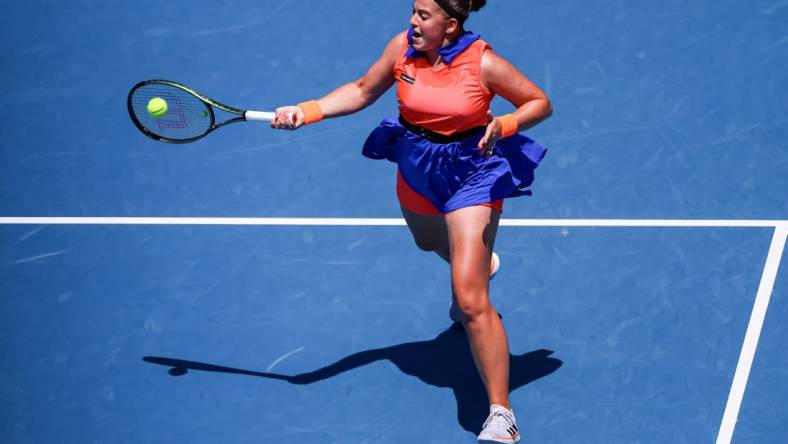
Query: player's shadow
point(443, 362)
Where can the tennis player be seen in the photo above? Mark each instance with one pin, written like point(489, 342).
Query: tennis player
point(456, 163)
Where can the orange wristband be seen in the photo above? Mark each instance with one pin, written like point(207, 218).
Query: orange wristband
point(508, 125)
point(312, 112)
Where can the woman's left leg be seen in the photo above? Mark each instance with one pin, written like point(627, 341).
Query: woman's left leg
point(472, 233)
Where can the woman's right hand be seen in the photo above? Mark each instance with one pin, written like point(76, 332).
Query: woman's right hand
point(288, 117)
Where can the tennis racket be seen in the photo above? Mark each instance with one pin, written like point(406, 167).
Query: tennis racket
point(189, 115)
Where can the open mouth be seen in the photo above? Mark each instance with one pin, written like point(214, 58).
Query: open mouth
point(416, 34)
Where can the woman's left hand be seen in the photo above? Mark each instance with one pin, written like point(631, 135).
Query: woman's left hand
point(491, 135)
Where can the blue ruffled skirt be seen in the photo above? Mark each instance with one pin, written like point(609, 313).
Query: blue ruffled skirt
point(455, 175)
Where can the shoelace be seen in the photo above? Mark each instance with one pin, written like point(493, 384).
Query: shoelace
point(507, 418)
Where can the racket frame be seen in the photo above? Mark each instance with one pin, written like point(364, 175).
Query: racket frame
point(243, 115)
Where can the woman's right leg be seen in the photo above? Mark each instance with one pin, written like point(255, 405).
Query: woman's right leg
point(429, 232)
point(425, 222)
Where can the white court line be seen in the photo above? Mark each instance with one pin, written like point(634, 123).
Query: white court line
point(747, 355)
point(323, 221)
point(753, 328)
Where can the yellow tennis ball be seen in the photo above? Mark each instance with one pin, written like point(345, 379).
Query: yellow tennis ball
point(157, 107)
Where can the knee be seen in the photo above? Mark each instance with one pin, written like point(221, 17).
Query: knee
point(472, 309)
point(472, 303)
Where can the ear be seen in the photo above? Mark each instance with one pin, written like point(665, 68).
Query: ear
point(452, 25)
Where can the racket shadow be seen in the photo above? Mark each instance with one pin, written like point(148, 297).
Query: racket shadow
point(444, 361)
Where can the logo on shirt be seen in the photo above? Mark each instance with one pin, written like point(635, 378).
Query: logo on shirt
point(407, 78)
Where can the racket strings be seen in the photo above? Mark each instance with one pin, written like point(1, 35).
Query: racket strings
point(187, 116)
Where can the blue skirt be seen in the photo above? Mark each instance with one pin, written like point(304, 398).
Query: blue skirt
point(455, 175)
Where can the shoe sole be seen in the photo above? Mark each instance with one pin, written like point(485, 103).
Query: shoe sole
point(505, 440)
point(489, 441)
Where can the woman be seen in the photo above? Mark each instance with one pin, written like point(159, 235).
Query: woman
point(456, 163)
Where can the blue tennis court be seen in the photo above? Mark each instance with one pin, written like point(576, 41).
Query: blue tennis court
point(259, 286)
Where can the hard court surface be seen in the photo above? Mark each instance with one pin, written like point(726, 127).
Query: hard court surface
point(182, 329)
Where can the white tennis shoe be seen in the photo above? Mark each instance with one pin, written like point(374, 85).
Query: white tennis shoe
point(500, 426)
point(495, 264)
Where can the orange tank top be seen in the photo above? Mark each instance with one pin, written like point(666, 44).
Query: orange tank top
point(447, 100)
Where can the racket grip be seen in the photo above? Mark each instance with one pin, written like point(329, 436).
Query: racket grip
point(264, 116)
point(259, 116)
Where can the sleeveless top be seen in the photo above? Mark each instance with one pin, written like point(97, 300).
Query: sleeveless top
point(447, 100)
point(451, 100)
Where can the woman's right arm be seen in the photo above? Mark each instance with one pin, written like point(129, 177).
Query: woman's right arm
point(353, 96)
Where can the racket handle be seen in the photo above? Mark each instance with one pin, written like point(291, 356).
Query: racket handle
point(260, 116)
point(264, 116)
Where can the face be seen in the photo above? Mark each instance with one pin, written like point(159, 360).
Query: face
point(431, 26)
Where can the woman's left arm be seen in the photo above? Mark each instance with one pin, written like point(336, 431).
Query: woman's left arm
point(533, 106)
